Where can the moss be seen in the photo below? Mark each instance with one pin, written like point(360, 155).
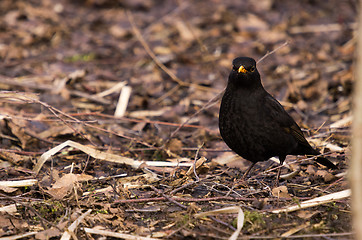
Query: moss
point(254, 221)
point(81, 58)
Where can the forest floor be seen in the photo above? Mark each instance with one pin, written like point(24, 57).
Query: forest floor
point(65, 64)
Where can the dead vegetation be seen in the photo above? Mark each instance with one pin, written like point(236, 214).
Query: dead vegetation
point(109, 115)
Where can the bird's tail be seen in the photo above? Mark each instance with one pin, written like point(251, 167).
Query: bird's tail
point(325, 162)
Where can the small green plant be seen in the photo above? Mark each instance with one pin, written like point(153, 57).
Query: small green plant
point(296, 200)
point(182, 220)
point(103, 211)
point(254, 221)
point(81, 57)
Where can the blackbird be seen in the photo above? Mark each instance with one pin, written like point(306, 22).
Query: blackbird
point(254, 124)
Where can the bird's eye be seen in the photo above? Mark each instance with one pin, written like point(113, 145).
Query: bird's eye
point(252, 69)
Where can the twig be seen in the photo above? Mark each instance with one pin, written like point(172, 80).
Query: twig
point(210, 103)
point(18, 183)
point(46, 120)
point(170, 124)
point(42, 220)
point(334, 184)
point(178, 229)
point(322, 28)
point(295, 161)
point(91, 97)
point(231, 190)
point(183, 187)
point(316, 201)
point(123, 101)
point(317, 236)
point(116, 234)
point(179, 199)
point(302, 236)
point(189, 184)
point(169, 93)
point(184, 18)
point(168, 198)
point(196, 154)
point(269, 53)
point(19, 236)
point(149, 51)
point(55, 111)
point(142, 120)
point(166, 17)
point(222, 223)
point(182, 149)
point(66, 235)
point(156, 60)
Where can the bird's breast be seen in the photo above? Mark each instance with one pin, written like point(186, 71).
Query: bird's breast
point(240, 122)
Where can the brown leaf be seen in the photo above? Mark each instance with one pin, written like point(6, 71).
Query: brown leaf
point(175, 145)
point(49, 233)
point(306, 214)
point(280, 192)
point(327, 176)
point(311, 170)
point(18, 128)
point(63, 186)
point(8, 189)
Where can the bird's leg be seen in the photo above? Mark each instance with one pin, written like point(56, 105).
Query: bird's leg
point(241, 181)
point(247, 171)
point(281, 160)
point(277, 181)
point(279, 170)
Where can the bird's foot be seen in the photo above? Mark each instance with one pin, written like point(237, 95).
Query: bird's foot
point(276, 183)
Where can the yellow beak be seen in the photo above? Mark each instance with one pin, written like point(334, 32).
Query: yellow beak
point(242, 69)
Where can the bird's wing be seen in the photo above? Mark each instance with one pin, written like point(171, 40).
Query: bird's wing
point(279, 115)
point(285, 121)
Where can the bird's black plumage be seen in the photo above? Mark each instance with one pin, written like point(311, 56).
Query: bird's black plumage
point(254, 124)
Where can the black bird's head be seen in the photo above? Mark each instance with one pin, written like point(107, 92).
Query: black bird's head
point(244, 73)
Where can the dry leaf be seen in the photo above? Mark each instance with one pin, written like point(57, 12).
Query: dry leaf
point(280, 192)
point(307, 214)
point(49, 233)
point(175, 145)
point(7, 189)
point(327, 176)
point(63, 186)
